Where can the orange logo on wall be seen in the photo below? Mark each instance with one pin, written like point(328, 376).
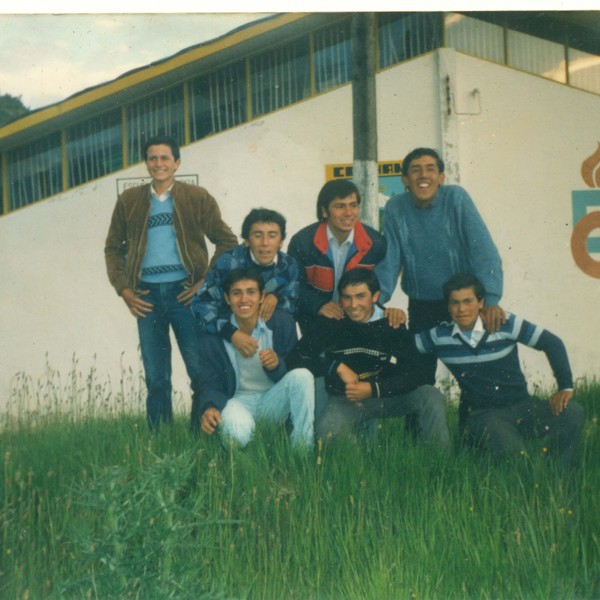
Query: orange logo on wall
point(586, 218)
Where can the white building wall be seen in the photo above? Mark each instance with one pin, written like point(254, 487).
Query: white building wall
point(519, 143)
point(521, 160)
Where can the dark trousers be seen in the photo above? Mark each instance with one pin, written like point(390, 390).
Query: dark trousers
point(423, 315)
point(502, 430)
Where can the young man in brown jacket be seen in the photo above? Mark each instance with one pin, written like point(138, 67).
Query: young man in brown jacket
point(156, 259)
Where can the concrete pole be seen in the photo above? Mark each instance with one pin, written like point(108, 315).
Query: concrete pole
point(364, 115)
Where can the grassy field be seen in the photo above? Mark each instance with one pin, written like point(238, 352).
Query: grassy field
point(94, 506)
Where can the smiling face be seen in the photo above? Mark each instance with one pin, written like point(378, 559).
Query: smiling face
point(265, 241)
point(357, 302)
point(341, 216)
point(464, 308)
point(244, 298)
point(423, 179)
point(161, 165)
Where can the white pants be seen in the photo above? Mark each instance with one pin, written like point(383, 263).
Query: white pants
point(293, 395)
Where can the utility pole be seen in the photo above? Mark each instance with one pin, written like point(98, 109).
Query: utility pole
point(364, 115)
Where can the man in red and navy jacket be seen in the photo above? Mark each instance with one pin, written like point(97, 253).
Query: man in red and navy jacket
point(324, 250)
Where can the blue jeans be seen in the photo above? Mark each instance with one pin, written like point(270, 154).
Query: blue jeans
point(155, 346)
point(293, 395)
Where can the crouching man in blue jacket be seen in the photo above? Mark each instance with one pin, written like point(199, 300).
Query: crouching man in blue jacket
point(237, 390)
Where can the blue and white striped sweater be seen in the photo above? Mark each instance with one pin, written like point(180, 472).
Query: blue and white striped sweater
point(490, 374)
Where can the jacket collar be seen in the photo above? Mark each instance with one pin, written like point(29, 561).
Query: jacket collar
point(362, 241)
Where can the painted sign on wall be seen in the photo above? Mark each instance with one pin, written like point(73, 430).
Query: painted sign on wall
point(586, 218)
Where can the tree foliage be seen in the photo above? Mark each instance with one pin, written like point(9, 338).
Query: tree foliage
point(11, 107)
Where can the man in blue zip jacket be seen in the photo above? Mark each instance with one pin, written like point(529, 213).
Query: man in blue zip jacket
point(336, 243)
point(238, 390)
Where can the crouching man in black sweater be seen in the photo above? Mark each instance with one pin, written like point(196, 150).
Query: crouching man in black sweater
point(371, 369)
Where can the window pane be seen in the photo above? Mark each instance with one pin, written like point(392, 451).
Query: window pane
point(94, 148)
point(475, 37)
point(535, 55)
point(1, 188)
point(584, 70)
point(402, 37)
point(332, 56)
point(218, 101)
point(160, 114)
point(280, 77)
point(34, 172)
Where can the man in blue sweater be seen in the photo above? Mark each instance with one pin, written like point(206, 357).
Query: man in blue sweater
point(433, 231)
point(263, 232)
point(238, 390)
point(496, 410)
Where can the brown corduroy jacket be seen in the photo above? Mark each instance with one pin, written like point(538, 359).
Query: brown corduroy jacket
point(196, 216)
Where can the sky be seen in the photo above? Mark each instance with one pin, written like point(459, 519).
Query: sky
point(48, 51)
point(46, 58)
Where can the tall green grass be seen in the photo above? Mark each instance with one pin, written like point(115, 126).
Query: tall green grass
point(93, 505)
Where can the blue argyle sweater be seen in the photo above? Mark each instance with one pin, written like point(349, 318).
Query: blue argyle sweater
point(489, 375)
point(161, 262)
point(209, 305)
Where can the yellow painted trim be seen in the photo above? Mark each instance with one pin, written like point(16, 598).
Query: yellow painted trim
point(147, 73)
point(377, 47)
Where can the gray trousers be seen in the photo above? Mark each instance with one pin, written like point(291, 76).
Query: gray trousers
point(340, 416)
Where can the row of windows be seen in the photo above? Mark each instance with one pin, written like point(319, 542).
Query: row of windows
point(523, 51)
point(261, 84)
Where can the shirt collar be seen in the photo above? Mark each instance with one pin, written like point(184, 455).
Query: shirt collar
point(166, 194)
point(349, 240)
point(475, 334)
point(253, 259)
point(378, 313)
point(260, 325)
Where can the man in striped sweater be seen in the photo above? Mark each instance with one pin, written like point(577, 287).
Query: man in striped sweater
point(496, 410)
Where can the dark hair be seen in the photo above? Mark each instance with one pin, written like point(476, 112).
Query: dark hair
point(236, 275)
point(357, 276)
point(418, 153)
point(262, 215)
point(460, 281)
point(336, 188)
point(159, 140)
